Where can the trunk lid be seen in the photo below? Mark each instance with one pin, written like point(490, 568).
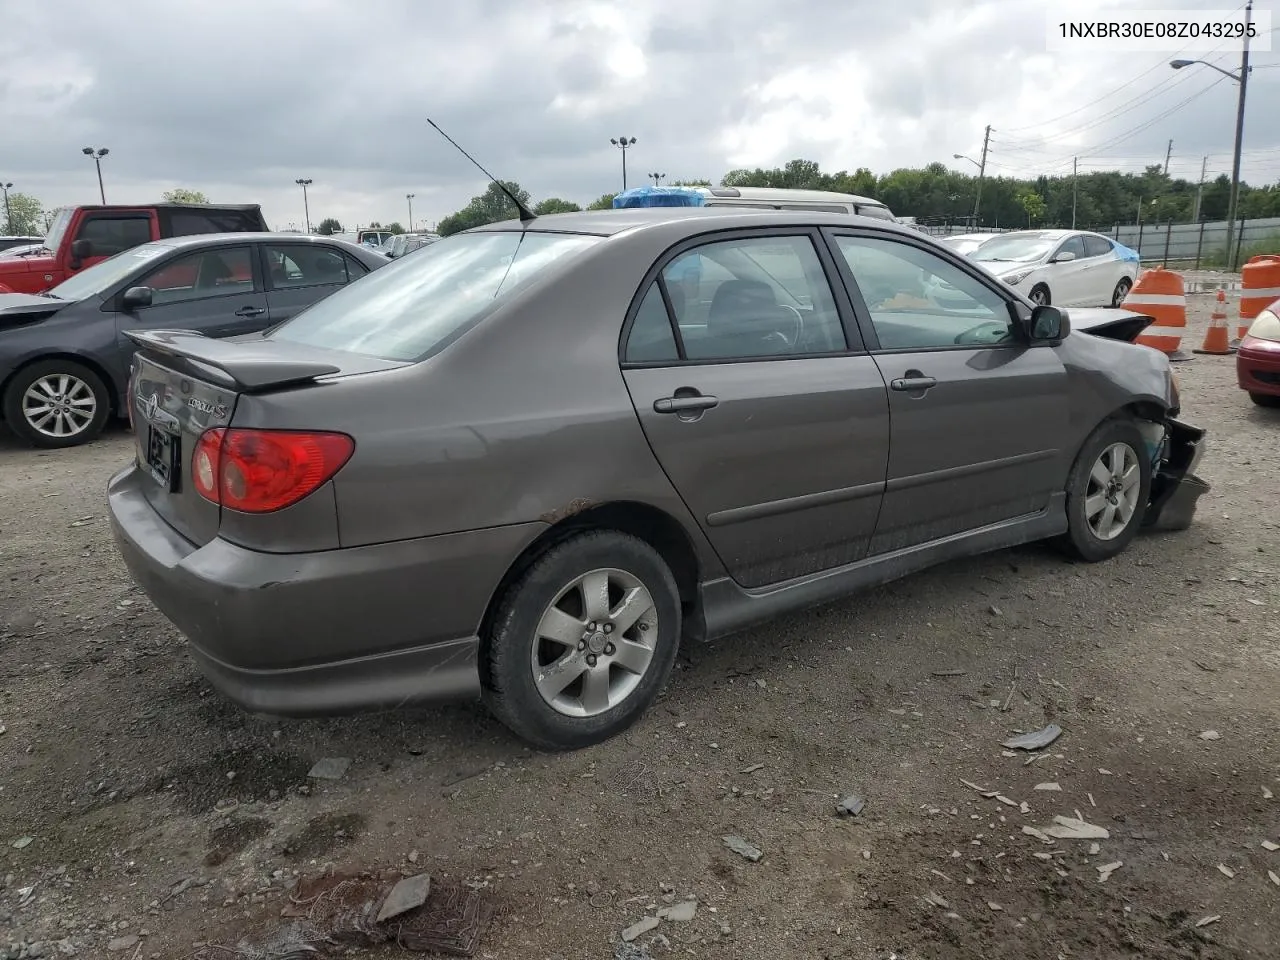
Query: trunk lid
point(182, 384)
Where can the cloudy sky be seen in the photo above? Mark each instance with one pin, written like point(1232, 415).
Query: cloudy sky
point(240, 98)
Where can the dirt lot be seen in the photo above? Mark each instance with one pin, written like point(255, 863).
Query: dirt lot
point(133, 780)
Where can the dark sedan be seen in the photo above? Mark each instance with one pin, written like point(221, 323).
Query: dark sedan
point(528, 460)
point(64, 355)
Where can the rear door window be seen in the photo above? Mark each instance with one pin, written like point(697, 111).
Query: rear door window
point(1097, 246)
point(304, 265)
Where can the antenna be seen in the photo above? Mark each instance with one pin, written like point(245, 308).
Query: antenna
point(525, 213)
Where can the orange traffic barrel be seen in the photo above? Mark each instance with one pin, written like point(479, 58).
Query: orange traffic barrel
point(1216, 340)
point(1159, 294)
point(1260, 285)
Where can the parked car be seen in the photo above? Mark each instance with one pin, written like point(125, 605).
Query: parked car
point(1068, 267)
point(1258, 358)
point(64, 356)
point(7, 243)
point(966, 243)
point(526, 461)
point(780, 198)
point(83, 236)
point(373, 237)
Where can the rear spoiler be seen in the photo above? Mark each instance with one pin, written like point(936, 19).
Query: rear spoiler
point(246, 367)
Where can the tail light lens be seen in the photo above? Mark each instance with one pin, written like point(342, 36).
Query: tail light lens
point(259, 471)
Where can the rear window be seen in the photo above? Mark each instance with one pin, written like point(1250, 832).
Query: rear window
point(875, 210)
point(413, 307)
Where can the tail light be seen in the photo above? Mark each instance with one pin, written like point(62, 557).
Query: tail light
point(259, 471)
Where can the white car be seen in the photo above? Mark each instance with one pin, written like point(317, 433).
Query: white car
point(966, 243)
point(1068, 268)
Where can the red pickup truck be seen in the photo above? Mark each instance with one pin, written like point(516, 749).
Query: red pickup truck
point(83, 236)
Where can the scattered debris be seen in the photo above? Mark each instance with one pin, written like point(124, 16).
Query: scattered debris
point(993, 905)
point(330, 768)
point(1092, 802)
point(753, 768)
point(851, 805)
point(639, 928)
point(1074, 828)
point(22, 843)
point(1210, 735)
point(1035, 741)
point(83, 521)
point(995, 611)
point(1274, 877)
point(1005, 800)
point(937, 901)
point(974, 786)
point(1270, 845)
point(409, 894)
point(1038, 834)
point(949, 673)
point(679, 912)
point(1267, 794)
point(1095, 849)
point(1226, 871)
point(1048, 786)
point(1013, 688)
point(1107, 870)
point(940, 875)
point(1208, 920)
point(120, 944)
point(742, 848)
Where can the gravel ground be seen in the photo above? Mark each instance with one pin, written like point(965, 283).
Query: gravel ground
point(133, 780)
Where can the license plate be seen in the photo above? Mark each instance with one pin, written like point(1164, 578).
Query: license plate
point(162, 457)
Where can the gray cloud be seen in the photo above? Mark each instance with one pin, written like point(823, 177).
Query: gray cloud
point(239, 98)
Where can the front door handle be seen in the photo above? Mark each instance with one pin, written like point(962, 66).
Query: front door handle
point(250, 311)
point(684, 404)
point(912, 384)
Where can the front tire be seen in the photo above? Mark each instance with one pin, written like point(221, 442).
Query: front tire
point(1121, 291)
point(583, 642)
point(1107, 492)
point(1040, 295)
point(56, 403)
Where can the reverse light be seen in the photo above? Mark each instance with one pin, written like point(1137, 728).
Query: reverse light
point(1266, 325)
point(260, 471)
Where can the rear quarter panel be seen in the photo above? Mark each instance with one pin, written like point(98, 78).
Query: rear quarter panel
point(524, 418)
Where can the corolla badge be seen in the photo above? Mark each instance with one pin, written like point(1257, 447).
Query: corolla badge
point(152, 404)
point(204, 406)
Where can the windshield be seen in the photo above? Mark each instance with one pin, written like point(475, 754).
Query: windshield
point(1015, 248)
point(414, 306)
point(53, 239)
point(98, 279)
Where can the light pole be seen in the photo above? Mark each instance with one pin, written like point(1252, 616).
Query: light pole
point(623, 143)
point(1242, 78)
point(8, 218)
point(657, 178)
point(978, 196)
point(97, 159)
point(409, 197)
point(306, 208)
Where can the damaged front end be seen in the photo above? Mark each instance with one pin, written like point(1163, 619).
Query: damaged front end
point(1175, 489)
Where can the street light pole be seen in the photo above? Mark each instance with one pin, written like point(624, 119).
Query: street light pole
point(97, 159)
point(623, 143)
point(306, 207)
point(657, 178)
point(8, 217)
point(1242, 78)
point(409, 197)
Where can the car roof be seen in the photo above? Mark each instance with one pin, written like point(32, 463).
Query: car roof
point(784, 193)
point(608, 223)
point(196, 239)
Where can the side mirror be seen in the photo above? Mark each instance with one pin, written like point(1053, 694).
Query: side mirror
point(1064, 256)
point(82, 249)
point(136, 297)
point(1047, 323)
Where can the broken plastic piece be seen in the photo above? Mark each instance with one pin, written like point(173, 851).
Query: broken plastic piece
point(1037, 740)
point(409, 893)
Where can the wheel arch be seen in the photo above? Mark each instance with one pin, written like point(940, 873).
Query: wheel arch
point(655, 527)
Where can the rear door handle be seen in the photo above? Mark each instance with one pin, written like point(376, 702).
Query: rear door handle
point(684, 404)
point(250, 311)
point(912, 384)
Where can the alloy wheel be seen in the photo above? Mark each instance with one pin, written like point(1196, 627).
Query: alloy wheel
point(59, 406)
point(1112, 496)
point(594, 643)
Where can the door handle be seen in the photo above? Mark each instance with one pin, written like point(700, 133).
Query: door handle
point(912, 384)
point(684, 404)
point(250, 311)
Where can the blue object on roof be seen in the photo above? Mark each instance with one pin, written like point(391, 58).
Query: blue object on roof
point(1127, 254)
point(658, 197)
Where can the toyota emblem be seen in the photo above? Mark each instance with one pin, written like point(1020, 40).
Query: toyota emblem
point(152, 404)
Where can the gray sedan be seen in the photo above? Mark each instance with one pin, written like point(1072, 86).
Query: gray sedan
point(528, 461)
point(64, 355)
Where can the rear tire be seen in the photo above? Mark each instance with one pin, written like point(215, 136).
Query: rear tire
point(1105, 502)
point(56, 403)
point(1040, 295)
point(567, 671)
point(1265, 399)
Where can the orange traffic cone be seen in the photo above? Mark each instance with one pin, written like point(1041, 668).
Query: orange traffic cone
point(1160, 294)
point(1216, 339)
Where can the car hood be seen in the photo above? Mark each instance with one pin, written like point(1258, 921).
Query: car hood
point(1109, 322)
point(26, 264)
point(20, 309)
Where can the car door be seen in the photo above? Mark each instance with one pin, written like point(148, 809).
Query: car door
point(764, 409)
point(300, 274)
point(1069, 279)
point(978, 416)
point(1105, 269)
point(215, 291)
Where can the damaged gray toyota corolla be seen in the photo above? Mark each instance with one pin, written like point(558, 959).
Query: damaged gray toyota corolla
point(529, 460)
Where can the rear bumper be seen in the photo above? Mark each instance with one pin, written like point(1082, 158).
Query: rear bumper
point(1258, 366)
point(321, 633)
point(1175, 489)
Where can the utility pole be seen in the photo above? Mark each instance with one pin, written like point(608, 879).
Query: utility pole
point(1235, 162)
point(8, 217)
point(1204, 166)
point(1168, 154)
point(1074, 161)
point(409, 197)
point(305, 182)
point(982, 170)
